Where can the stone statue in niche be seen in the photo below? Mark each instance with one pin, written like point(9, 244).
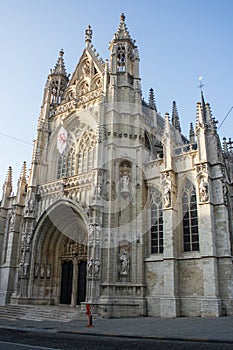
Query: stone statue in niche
point(28, 241)
point(36, 270)
point(167, 191)
point(23, 238)
point(98, 230)
point(91, 231)
point(48, 271)
point(98, 190)
point(30, 206)
point(42, 271)
point(204, 192)
point(25, 269)
point(124, 260)
point(21, 268)
point(97, 266)
point(90, 267)
point(12, 221)
point(125, 182)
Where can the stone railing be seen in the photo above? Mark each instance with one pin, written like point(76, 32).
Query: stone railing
point(185, 148)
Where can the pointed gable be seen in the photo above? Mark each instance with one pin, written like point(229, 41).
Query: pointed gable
point(87, 80)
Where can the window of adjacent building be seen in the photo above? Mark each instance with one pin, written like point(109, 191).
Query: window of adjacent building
point(156, 222)
point(190, 218)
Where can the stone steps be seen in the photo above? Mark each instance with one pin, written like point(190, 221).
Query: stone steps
point(42, 313)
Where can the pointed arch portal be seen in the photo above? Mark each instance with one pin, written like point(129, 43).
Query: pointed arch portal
point(58, 269)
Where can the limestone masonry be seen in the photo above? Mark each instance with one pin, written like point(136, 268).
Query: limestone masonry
point(120, 210)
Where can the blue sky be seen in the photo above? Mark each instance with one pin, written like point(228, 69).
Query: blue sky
point(178, 41)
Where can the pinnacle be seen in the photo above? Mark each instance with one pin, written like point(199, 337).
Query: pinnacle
point(191, 134)
point(152, 103)
point(23, 171)
point(8, 180)
point(122, 32)
point(59, 67)
point(175, 117)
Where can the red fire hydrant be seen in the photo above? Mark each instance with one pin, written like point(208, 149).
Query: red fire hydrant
point(89, 316)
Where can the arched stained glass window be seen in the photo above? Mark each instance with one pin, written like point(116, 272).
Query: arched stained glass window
point(156, 221)
point(190, 218)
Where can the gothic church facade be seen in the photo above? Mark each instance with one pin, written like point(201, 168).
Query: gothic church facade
point(120, 210)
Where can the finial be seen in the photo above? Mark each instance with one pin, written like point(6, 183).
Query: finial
point(200, 83)
point(122, 18)
point(88, 35)
point(61, 53)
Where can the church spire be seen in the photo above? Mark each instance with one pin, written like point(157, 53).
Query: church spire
point(152, 103)
point(175, 117)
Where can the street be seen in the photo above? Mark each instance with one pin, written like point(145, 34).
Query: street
point(18, 340)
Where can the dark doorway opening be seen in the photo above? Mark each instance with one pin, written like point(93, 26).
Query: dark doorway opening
point(81, 292)
point(66, 282)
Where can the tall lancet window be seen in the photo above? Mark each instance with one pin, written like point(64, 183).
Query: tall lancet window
point(66, 163)
point(86, 152)
point(156, 221)
point(190, 218)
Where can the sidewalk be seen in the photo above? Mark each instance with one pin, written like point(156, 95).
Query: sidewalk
point(196, 329)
